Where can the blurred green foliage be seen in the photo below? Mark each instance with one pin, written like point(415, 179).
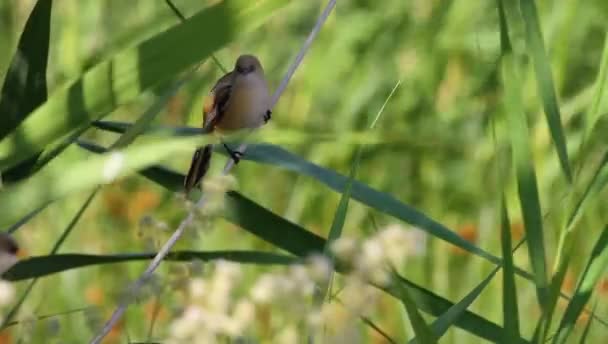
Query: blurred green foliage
point(448, 108)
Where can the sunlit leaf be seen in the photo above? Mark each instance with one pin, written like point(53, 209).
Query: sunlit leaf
point(122, 78)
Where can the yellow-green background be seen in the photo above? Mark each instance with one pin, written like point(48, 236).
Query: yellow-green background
point(445, 56)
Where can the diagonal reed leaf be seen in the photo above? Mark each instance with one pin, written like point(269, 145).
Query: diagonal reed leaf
point(523, 162)
point(25, 86)
point(447, 319)
point(595, 267)
point(544, 80)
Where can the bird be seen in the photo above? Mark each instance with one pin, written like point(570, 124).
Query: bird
point(8, 252)
point(239, 100)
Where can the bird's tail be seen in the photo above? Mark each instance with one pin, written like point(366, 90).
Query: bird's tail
point(198, 167)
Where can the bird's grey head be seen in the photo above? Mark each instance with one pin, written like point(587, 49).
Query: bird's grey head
point(246, 64)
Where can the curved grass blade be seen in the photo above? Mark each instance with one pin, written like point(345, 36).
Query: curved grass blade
point(526, 176)
point(122, 78)
point(509, 288)
point(447, 319)
point(421, 329)
point(509, 293)
point(52, 315)
point(436, 305)
point(587, 329)
point(36, 267)
point(598, 103)
point(544, 79)
point(570, 233)
point(595, 267)
point(24, 87)
point(340, 216)
point(59, 181)
point(15, 226)
point(336, 227)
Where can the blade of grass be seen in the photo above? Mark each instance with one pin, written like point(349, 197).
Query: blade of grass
point(438, 306)
point(15, 226)
point(569, 235)
point(598, 102)
point(509, 291)
point(448, 318)
point(336, 227)
point(36, 267)
point(368, 322)
point(523, 162)
point(595, 267)
point(338, 223)
point(587, 329)
point(52, 315)
point(421, 329)
point(544, 79)
point(24, 87)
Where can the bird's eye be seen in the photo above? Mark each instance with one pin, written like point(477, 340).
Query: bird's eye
point(13, 248)
point(245, 70)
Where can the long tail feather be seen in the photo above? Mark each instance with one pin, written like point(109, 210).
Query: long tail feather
point(198, 167)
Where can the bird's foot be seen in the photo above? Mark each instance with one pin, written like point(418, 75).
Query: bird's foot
point(234, 154)
point(267, 116)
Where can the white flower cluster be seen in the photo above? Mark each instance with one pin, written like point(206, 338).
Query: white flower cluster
point(279, 305)
point(215, 311)
point(212, 311)
point(372, 258)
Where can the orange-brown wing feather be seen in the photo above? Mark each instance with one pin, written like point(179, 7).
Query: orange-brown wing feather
point(216, 101)
point(213, 107)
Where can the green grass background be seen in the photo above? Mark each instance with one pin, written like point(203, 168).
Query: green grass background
point(445, 147)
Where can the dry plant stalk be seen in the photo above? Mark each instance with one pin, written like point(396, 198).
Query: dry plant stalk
point(162, 253)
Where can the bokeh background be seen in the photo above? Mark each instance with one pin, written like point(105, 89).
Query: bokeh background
point(441, 60)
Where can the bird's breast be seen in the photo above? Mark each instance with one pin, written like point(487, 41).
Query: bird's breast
point(248, 103)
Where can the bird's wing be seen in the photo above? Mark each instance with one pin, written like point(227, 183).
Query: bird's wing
point(216, 102)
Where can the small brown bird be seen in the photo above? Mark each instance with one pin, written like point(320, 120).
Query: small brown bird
point(239, 100)
point(8, 252)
